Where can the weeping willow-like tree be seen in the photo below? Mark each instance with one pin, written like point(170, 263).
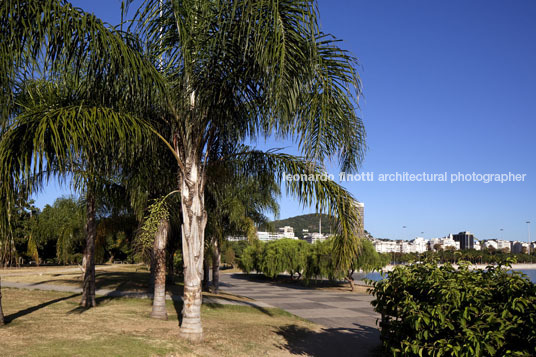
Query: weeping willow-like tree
point(213, 74)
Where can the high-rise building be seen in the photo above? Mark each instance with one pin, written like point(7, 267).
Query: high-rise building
point(466, 239)
point(361, 212)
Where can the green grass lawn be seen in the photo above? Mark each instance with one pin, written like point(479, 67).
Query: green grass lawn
point(46, 323)
point(124, 277)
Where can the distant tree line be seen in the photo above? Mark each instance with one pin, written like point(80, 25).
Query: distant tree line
point(484, 256)
point(56, 234)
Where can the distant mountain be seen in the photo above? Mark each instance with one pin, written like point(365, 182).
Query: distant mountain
point(299, 223)
point(305, 221)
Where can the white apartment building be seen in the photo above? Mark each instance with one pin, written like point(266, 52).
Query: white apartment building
point(444, 243)
point(419, 245)
point(236, 238)
point(498, 244)
point(490, 244)
point(283, 232)
point(450, 242)
point(503, 244)
point(385, 246)
point(520, 247)
point(287, 232)
point(315, 237)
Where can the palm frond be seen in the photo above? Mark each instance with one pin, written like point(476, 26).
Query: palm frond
point(314, 188)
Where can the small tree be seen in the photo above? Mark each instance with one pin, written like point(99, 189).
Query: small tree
point(251, 257)
point(229, 255)
point(284, 255)
point(367, 260)
point(321, 263)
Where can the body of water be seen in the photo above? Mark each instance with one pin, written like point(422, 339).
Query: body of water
point(530, 273)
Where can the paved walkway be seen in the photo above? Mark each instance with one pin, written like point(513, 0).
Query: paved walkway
point(348, 318)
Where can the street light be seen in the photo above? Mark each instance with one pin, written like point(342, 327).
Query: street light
point(528, 230)
point(501, 233)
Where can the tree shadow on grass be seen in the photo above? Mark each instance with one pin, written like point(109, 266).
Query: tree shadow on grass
point(177, 304)
point(106, 280)
point(359, 341)
point(10, 318)
point(215, 305)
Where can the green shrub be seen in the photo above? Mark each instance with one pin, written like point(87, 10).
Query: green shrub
point(320, 262)
point(284, 255)
point(251, 257)
point(368, 259)
point(442, 311)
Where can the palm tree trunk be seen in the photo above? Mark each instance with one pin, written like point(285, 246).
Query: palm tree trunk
point(350, 279)
point(152, 271)
point(216, 261)
point(159, 256)
point(1, 312)
point(88, 291)
point(193, 232)
point(206, 274)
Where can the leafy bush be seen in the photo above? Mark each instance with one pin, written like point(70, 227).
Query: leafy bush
point(320, 262)
point(229, 256)
point(251, 258)
point(440, 311)
point(368, 259)
point(284, 255)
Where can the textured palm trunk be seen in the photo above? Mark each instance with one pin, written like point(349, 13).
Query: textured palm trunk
point(350, 279)
point(216, 261)
point(88, 291)
point(159, 256)
point(1, 312)
point(193, 232)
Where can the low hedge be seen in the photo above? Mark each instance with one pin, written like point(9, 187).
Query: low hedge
point(431, 310)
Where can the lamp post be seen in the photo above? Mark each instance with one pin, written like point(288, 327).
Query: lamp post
point(528, 230)
point(501, 233)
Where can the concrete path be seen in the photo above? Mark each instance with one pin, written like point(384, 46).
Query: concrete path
point(349, 319)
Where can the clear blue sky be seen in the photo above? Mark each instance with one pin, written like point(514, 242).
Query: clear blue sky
point(449, 86)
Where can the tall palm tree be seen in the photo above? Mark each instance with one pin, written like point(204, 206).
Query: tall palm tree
point(267, 66)
point(233, 70)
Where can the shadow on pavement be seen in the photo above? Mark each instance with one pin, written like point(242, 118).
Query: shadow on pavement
point(359, 341)
point(288, 282)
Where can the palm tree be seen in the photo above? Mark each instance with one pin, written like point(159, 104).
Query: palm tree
point(89, 173)
point(233, 70)
point(267, 66)
point(1, 311)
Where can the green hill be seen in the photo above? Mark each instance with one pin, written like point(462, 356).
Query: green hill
point(299, 223)
point(305, 221)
